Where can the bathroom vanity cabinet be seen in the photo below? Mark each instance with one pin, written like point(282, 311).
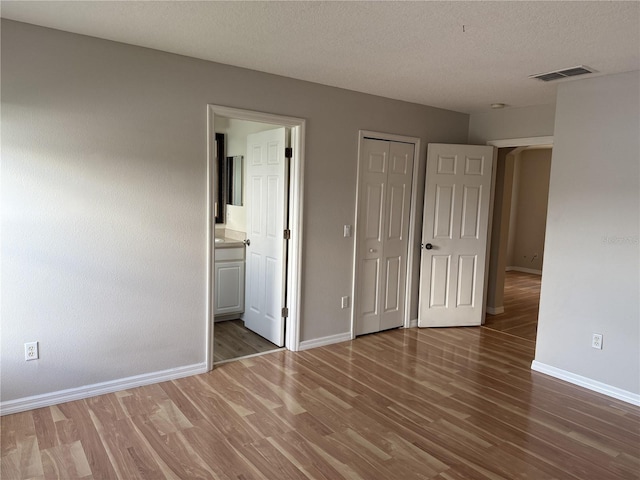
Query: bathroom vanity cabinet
point(229, 280)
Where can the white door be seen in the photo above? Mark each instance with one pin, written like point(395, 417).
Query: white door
point(455, 235)
point(384, 203)
point(267, 184)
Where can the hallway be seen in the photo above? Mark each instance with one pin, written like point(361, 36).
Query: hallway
point(521, 303)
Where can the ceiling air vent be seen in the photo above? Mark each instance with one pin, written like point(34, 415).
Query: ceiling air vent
point(567, 72)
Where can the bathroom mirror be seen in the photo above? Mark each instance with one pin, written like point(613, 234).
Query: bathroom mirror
point(234, 180)
point(220, 176)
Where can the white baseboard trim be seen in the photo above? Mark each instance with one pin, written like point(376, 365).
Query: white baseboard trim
point(495, 310)
point(71, 394)
point(414, 323)
point(523, 270)
point(588, 383)
point(320, 342)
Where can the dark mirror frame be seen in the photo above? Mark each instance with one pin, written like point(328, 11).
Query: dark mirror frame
point(234, 185)
point(221, 166)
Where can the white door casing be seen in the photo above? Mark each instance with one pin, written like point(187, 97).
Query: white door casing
point(296, 216)
point(384, 204)
point(457, 210)
point(267, 184)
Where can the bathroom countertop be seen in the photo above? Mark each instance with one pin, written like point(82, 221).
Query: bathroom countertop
point(224, 242)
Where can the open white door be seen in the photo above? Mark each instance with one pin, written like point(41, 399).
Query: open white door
point(266, 183)
point(455, 235)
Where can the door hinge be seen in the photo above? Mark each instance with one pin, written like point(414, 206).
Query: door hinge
point(288, 152)
point(285, 312)
point(287, 234)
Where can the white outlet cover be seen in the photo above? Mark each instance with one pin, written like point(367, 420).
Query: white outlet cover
point(596, 341)
point(31, 351)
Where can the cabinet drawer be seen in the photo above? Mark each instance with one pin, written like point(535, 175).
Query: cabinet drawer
point(229, 254)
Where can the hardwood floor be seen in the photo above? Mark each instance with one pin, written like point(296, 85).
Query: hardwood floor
point(445, 404)
point(233, 340)
point(521, 304)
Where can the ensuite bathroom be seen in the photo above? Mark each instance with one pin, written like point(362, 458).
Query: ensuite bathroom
point(232, 337)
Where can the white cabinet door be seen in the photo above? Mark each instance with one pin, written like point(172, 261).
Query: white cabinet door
point(455, 234)
point(229, 287)
point(267, 185)
point(384, 191)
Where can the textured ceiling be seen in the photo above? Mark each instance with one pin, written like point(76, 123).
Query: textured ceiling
point(461, 56)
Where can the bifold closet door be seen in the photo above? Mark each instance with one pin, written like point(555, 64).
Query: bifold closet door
point(384, 203)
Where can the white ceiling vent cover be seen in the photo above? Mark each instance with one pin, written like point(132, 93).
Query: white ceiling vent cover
point(564, 73)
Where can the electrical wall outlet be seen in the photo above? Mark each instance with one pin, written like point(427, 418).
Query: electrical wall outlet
point(31, 351)
point(345, 302)
point(347, 231)
point(596, 341)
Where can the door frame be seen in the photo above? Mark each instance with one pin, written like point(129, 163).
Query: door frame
point(411, 241)
point(521, 142)
point(296, 191)
point(517, 143)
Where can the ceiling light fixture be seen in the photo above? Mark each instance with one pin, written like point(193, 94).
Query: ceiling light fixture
point(496, 106)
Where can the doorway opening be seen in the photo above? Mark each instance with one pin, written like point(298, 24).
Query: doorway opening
point(253, 267)
point(521, 193)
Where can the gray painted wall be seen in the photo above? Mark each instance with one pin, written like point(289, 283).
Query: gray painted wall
point(523, 122)
point(104, 201)
point(529, 209)
point(590, 281)
point(590, 278)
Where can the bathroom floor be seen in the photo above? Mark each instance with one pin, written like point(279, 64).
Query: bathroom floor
point(233, 340)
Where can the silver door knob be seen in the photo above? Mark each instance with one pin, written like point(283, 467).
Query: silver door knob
point(247, 242)
point(372, 250)
point(428, 246)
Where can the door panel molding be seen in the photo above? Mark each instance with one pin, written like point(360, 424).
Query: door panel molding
point(457, 219)
point(266, 205)
point(412, 239)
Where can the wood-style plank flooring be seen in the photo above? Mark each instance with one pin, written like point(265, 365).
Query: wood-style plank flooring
point(521, 305)
point(445, 404)
point(233, 340)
